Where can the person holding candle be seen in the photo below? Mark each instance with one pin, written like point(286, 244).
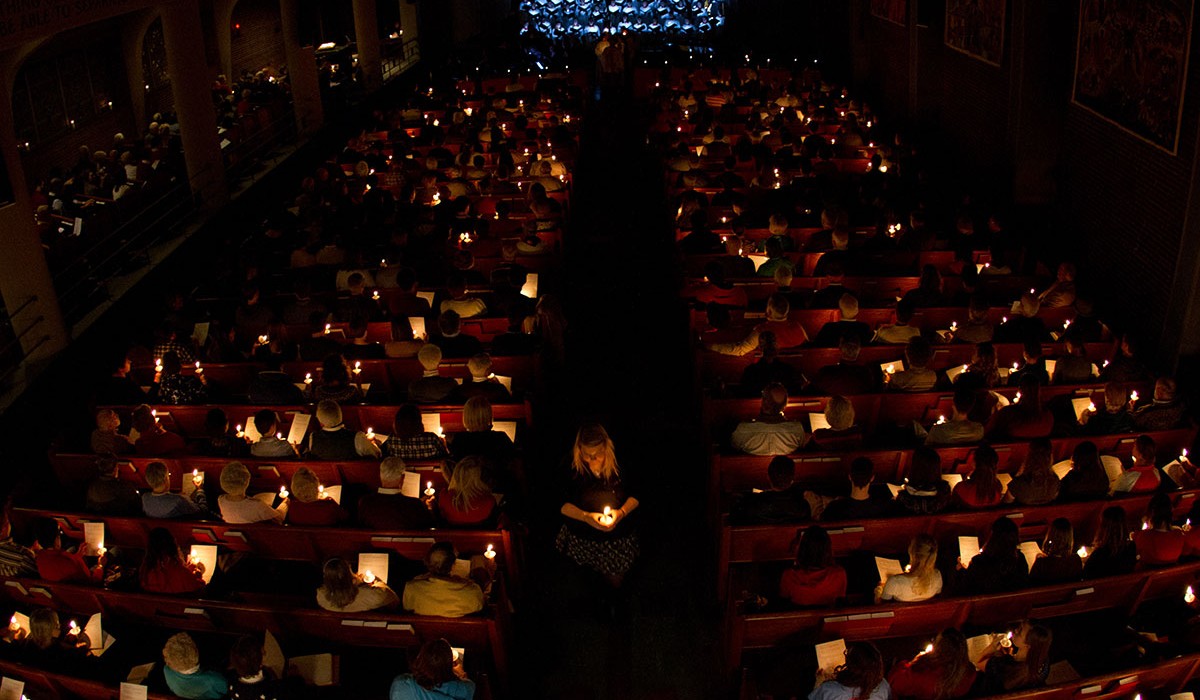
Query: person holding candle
point(1113, 552)
point(105, 439)
point(814, 579)
point(863, 501)
point(153, 439)
point(185, 677)
point(1035, 483)
point(159, 502)
point(435, 675)
point(920, 581)
point(1114, 418)
point(977, 328)
point(1034, 365)
point(860, 678)
point(942, 672)
point(266, 422)
point(981, 488)
point(236, 508)
point(789, 332)
point(334, 440)
point(430, 387)
point(335, 384)
point(175, 388)
point(48, 648)
point(342, 590)
point(999, 566)
point(1024, 324)
point(925, 491)
point(916, 375)
point(1087, 480)
point(1025, 419)
point(441, 592)
point(608, 547)
point(1144, 471)
point(960, 429)
point(388, 508)
point(410, 440)
point(1165, 412)
point(1058, 562)
point(847, 376)
point(306, 504)
point(56, 564)
point(468, 500)
point(783, 502)
point(1159, 542)
point(1025, 663)
point(164, 569)
point(770, 433)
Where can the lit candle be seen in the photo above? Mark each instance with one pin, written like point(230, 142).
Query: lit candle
point(370, 433)
point(74, 628)
point(368, 577)
point(158, 364)
point(239, 431)
point(928, 649)
point(891, 368)
point(1004, 319)
point(1133, 396)
point(263, 339)
point(1082, 552)
point(429, 490)
point(883, 168)
point(1092, 407)
point(283, 492)
point(199, 369)
point(1189, 596)
point(1183, 457)
point(1017, 398)
point(375, 295)
point(953, 326)
point(490, 552)
point(941, 419)
point(278, 436)
point(328, 327)
point(1015, 366)
point(607, 517)
point(357, 367)
point(1145, 526)
point(308, 377)
point(13, 624)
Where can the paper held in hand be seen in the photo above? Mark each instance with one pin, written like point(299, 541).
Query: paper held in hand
point(817, 421)
point(1031, 550)
point(888, 567)
point(252, 433)
point(93, 538)
point(830, 655)
point(954, 371)
point(314, 669)
point(895, 489)
point(11, 689)
point(1176, 471)
point(952, 479)
point(417, 324)
point(1050, 365)
point(374, 562)
point(427, 296)
point(200, 333)
point(1060, 470)
point(1112, 467)
point(1005, 479)
point(968, 547)
point(892, 367)
point(976, 646)
point(101, 640)
point(299, 428)
point(411, 485)
point(508, 427)
point(432, 422)
point(1183, 696)
point(758, 260)
point(529, 290)
point(205, 554)
point(462, 567)
point(1081, 405)
point(133, 691)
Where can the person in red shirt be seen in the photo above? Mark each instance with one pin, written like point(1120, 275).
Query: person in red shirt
point(789, 332)
point(941, 672)
point(54, 564)
point(814, 578)
point(1159, 543)
point(153, 439)
point(309, 505)
point(467, 500)
point(981, 489)
point(1144, 455)
point(164, 569)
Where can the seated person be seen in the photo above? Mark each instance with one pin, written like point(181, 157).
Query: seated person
point(781, 503)
point(1113, 552)
point(1126, 365)
point(847, 377)
point(1058, 562)
point(1035, 483)
point(1023, 323)
point(920, 581)
point(977, 329)
point(981, 488)
point(451, 339)
point(404, 342)
point(439, 592)
point(388, 508)
point(465, 305)
point(829, 296)
point(960, 429)
point(863, 502)
point(900, 332)
point(813, 580)
point(164, 569)
point(335, 384)
point(1062, 292)
point(410, 440)
point(105, 438)
point(436, 673)
point(767, 369)
point(184, 675)
point(334, 440)
point(916, 375)
point(1034, 365)
point(108, 495)
point(55, 564)
point(159, 502)
point(360, 346)
point(842, 433)
point(271, 387)
point(308, 504)
point(776, 257)
point(1160, 544)
point(1116, 416)
point(467, 500)
point(431, 388)
point(236, 508)
point(1074, 367)
point(174, 387)
point(789, 332)
point(715, 289)
point(834, 331)
point(945, 673)
point(49, 649)
point(480, 438)
point(152, 439)
point(483, 382)
point(928, 292)
point(1087, 480)
point(342, 590)
point(999, 567)
point(269, 444)
point(863, 667)
point(219, 440)
point(1023, 664)
point(250, 679)
point(925, 491)
point(1165, 413)
point(771, 433)
point(1145, 455)
point(1024, 419)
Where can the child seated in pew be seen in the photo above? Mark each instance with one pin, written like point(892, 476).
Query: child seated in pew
point(159, 502)
point(268, 444)
point(435, 675)
point(342, 590)
point(236, 508)
point(814, 579)
point(164, 569)
point(944, 673)
point(921, 579)
point(1058, 561)
point(1113, 552)
point(183, 672)
point(307, 504)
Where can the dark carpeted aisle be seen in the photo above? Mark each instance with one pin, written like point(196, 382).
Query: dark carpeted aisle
point(628, 367)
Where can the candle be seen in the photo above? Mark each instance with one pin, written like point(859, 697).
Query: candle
point(1183, 455)
point(197, 476)
point(429, 490)
point(13, 624)
point(199, 369)
point(891, 368)
point(490, 552)
point(1015, 367)
point(74, 628)
point(308, 377)
point(1105, 364)
point(1017, 398)
point(321, 491)
point(928, 649)
point(1189, 596)
point(283, 492)
point(1006, 640)
point(328, 326)
point(263, 340)
point(1133, 396)
point(1145, 526)
point(941, 419)
point(158, 364)
point(437, 198)
point(607, 517)
point(368, 577)
point(357, 367)
point(278, 436)
point(1004, 319)
point(375, 295)
point(1082, 552)
point(1066, 324)
point(953, 326)
point(239, 430)
point(370, 433)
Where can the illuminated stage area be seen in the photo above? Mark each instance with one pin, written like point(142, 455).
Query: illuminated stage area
point(583, 18)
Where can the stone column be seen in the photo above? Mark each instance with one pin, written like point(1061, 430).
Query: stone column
point(302, 71)
point(366, 35)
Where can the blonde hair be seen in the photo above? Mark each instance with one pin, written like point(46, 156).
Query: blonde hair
point(305, 485)
point(480, 365)
point(430, 356)
point(466, 482)
point(235, 479)
point(594, 435)
point(922, 560)
point(477, 414)
point(157, 475)
point(181, 653)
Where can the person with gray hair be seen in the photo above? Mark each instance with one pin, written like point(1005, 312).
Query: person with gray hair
point(388, 508)
point(431, 388)
point(236, 507)
point(439, 591)
point(334, 440)
point(159, 502)
point(770, 433)
point(833, 332)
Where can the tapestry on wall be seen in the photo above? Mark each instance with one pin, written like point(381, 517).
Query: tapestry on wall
point(1131, 65)
point(976, 28)
point(895, 11)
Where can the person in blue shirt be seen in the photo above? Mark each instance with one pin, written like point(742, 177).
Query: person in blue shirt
point(436, 675)
point(859, 678)
point(184, 676)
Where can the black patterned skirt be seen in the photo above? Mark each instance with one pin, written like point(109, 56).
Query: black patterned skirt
point(611, 556)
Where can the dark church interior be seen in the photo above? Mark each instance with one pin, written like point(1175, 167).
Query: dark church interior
point(571, 349)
